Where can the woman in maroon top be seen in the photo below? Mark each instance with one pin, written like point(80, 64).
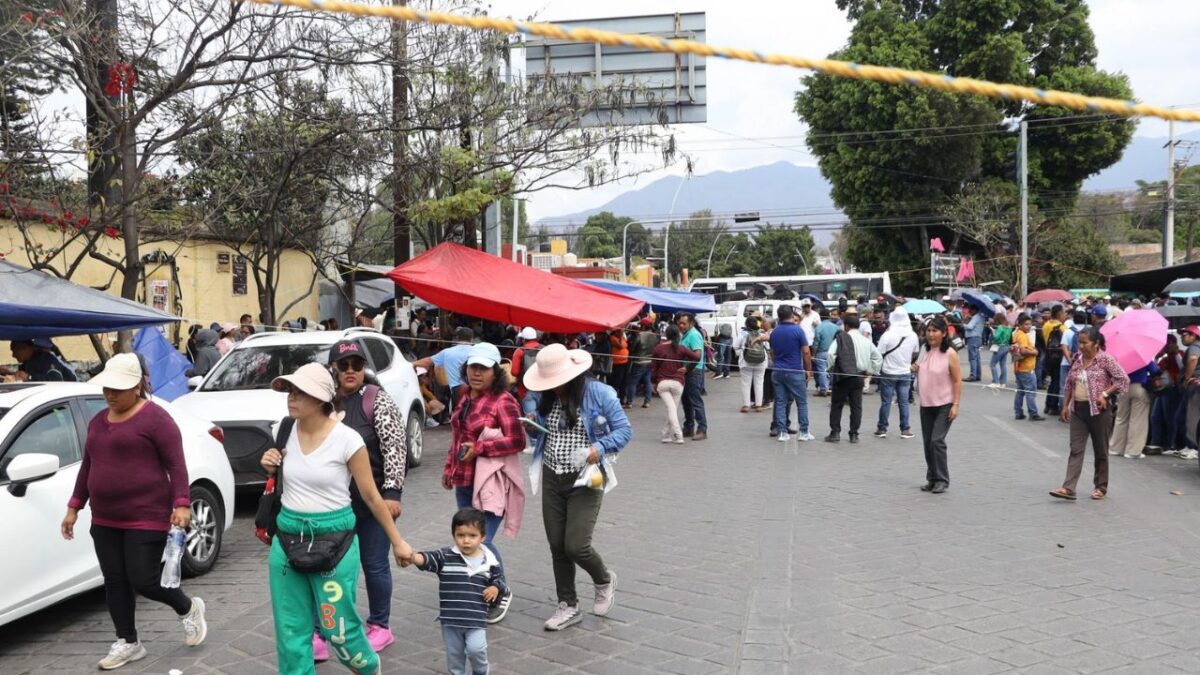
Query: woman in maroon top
point(484, 403)
point(1094, 376)
point(134, 475)
point(668, 368)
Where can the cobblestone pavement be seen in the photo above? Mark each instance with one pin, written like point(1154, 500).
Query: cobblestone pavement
point(742, 554)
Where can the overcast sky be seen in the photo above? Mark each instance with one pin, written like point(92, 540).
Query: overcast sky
point(1154, 42)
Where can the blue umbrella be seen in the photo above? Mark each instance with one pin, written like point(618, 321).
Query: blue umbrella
point(816, 300)
point(981, 303)
point(920, 306)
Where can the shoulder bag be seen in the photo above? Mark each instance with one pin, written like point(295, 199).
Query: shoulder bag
point(269, 503)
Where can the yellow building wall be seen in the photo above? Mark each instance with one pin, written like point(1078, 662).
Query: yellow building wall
point(207, 294)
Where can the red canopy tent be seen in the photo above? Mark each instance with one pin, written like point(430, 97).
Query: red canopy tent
point(467, 281)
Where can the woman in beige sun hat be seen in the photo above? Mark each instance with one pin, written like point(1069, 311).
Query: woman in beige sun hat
point(585, 422)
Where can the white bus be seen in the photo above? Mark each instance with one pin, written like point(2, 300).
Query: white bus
point(824, 286)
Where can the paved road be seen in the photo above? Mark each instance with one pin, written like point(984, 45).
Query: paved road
point(741, 554)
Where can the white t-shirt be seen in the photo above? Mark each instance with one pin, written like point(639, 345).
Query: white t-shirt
point(808, 324)
point(319, 482)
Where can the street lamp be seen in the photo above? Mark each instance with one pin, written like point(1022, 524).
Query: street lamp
point(624, 248)
point(708, 270)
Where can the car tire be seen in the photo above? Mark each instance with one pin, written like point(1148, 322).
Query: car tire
point(205, 534)
point(415, 433)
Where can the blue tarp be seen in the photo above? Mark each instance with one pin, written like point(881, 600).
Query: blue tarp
point(34, 304)
point(660, 299)
point(166, 365)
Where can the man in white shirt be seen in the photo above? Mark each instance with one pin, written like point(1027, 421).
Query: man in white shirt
point(809, 320)
point(898, 346)
point(849, 373)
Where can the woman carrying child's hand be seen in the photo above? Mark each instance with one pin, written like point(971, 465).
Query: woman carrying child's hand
point(490, 593)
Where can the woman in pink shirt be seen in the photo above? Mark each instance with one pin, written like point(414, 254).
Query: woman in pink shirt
point(939, 384)
point(133, 474)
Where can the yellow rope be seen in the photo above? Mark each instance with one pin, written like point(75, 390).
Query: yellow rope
point(855, 71)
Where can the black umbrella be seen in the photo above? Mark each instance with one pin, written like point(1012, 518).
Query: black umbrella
point(1183, 286)
point(1179, 316)
point(814, 298)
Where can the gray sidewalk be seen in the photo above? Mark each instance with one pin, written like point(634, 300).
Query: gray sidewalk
point(742, 554)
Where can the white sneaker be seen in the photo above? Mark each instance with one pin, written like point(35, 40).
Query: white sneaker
point(1137, 456)
point(195, 628)
point(431, 423)
point(1188, 454)
point(784, 437)
point(120, 653)
point(606, 595)
point(564, 616)
point(906, 434)
point(805, 436)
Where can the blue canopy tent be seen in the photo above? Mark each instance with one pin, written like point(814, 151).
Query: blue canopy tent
point(34, 304)
point(660, 299)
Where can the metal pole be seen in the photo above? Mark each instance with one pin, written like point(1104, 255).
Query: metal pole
point(708, 270)
point(625, 249)
point(1023, 159)
point(515, 205)
point(667, 234)
point(1168, 254)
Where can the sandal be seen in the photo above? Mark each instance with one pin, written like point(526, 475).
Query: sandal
point(1063, 493)
point(1098, 494)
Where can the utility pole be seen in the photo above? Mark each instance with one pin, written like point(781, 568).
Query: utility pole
point(1168, 254)
point(515, 206)
point(401, 234)
point(1023, 168)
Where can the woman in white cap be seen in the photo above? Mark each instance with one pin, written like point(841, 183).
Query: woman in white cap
point(582, 416)
point(486, 424)
point(134, 475)
point(320, 458)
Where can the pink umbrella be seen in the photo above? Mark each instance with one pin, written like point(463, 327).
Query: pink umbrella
point(1135, 337)
point(1047, 295)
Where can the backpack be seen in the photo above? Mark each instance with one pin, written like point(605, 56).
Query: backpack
point(1054, 344)
point(755, 353)
point(846, 362)
point(370, 393)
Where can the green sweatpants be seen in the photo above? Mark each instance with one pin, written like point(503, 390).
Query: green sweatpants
point(297, 597)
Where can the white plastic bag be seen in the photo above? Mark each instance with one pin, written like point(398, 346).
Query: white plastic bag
point(596, 479)
point(535, 474)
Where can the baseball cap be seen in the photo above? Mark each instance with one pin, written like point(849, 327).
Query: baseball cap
point(1193, 329)
point(483, 354)
point(344, 349)
point(1100, 310)
point(122, 371)
point(529, 333)
point(311, 378)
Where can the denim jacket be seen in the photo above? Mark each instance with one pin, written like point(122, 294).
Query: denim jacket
point(608, 428)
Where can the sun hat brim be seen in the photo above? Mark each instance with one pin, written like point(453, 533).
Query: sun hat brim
point(306, 384)
point(577, 362)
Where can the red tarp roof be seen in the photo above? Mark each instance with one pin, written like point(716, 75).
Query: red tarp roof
point(468, 281)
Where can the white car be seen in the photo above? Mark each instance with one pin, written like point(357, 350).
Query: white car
point(42, 431)
point(236, 395)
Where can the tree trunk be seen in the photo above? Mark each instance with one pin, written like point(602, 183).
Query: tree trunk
point(401, 234)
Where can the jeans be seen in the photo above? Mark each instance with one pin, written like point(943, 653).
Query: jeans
point(463, 495)
point(752, 383)
point(897, 386)
point(376, 552)
point(973, 344)
point(1027, 392)
point(1054, 399)
point(671, 393)
point(999, 366)
point(131, 562)
point(935, 424)
point(821, 366)
point(790, 386)
point(1164, 425)
point(569, 515)
point(466, 650)
point(693, 404)
point(724, 353)
point(617, 380)
point(639, 375)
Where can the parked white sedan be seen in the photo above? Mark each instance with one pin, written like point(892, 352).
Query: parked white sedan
point(236, 394)
point(42, 432)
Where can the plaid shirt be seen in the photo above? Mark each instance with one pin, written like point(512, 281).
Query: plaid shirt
point(471, 416)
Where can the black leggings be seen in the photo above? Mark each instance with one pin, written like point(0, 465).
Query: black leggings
point(132, 560)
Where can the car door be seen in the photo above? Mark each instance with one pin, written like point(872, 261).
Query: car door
point(39, 566)
point(382, 355)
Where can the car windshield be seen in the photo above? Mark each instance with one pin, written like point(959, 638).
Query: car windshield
point(255, 367)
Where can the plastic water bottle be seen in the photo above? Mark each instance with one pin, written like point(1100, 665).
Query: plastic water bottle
point(172, 558)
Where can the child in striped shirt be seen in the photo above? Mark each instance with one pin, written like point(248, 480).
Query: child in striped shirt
point(470, 577)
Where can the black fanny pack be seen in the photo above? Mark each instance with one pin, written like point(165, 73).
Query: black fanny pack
point(315, 553)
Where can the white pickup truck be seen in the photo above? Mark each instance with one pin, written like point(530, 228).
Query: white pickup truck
point(734, 314)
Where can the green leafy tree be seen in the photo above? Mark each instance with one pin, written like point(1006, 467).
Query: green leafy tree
point(594, 241)
point(897, 188)
point(783, 251)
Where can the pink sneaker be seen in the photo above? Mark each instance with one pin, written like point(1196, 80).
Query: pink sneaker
point(379, 637)
point(320, 649)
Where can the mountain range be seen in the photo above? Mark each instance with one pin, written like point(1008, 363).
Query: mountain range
point(788, 193)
